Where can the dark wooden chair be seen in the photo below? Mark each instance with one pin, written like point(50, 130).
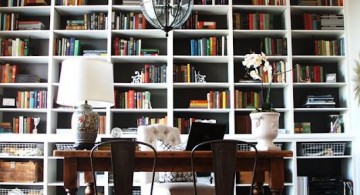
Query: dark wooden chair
point(122, 161)
point(224, 164)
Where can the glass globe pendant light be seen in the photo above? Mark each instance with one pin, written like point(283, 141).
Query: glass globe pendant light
point(166, 14)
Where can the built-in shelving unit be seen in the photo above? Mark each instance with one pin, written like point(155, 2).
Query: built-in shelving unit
point(170, 99)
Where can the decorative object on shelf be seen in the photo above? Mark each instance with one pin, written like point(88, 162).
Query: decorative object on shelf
point(252, 63)
point(331, 78)
point(199, 78)
point(136, 78)
point(166, 14)
point(8, 102)
point(335, 123)
point(86, 83)
point(36, 123)
point(265, 128)
point(116, 132)
point(265, 120)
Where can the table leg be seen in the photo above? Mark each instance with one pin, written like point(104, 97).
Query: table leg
point(89, 190)
point(259, 182)
point(70, 176)
point(276, 176)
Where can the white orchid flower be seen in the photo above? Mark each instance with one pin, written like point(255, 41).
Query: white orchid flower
point(255, 75)
point(247, 63)
point(267, 66)
point(255, 61)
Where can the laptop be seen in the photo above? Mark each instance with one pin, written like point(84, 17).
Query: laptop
point(201, 132)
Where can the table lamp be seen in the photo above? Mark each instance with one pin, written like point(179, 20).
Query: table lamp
point(86, 83)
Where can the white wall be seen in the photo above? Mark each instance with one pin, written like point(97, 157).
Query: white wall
point(353, 40)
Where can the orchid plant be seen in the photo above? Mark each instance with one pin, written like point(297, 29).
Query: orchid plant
point(356, 80)
point(253, 62)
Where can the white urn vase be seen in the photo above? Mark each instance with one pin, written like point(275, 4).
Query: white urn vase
point(265, 128)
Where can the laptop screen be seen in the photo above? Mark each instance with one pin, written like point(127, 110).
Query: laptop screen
point(201, 132)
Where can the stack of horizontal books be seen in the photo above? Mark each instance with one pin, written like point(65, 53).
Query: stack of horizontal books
point(31, 25)
point(319, 101)
point(27, 78)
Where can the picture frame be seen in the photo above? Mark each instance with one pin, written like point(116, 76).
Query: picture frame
point(331, 78)
point(7, 102)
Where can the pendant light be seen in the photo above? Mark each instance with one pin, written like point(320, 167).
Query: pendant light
point(166, 14)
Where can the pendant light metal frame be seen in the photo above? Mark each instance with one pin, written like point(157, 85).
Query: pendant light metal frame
point(166, 14)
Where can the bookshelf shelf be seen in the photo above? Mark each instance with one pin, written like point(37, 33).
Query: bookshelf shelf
point(320, 109)
point(76, 10)
point(170, 99)
point(154, 110)
point(35, 34)
point(31, 10)
point(200, 110)
point(24, 110)
point(84, 34)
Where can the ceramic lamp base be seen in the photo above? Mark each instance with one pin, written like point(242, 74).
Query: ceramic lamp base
point(83, 146)
point(85, 123)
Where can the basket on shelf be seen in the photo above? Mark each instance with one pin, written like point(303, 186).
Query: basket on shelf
point(245, 147)
point(21, 191)
point(65, 147)
point(322, 149)
point(21, 149)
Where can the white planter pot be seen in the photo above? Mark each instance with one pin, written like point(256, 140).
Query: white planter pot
point(265, 128)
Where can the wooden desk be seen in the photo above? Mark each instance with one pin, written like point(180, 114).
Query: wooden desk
point(271, 161)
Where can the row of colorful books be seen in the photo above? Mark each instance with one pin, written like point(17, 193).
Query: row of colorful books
point(128, 20)
point(209, 2)
point(274, 46)
point(20, 3)
point(313, 21)
point(9, 74)
point(184, 73)
point(247, 99)
point(90, 21)
point(145, 120)
point(329, 47)
point(317, 2)
point(132, 46)
point(268, 2)
point(193, 22)
point(151, 73)
point(214, 99)
point(253, 21)
point(31, 99)
point(11, 21)
point(67, 46)
point(208, 46)
point(132, 99)
point(71, 2)
point(19, 125)
point(15, 47)
point(307, 73)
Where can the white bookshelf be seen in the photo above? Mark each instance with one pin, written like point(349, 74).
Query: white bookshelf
point(171, 98)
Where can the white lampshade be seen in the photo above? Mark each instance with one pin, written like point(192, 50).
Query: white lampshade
point(88, 80)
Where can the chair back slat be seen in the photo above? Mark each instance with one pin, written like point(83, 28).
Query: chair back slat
point(224, 163)
point(123, 170)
